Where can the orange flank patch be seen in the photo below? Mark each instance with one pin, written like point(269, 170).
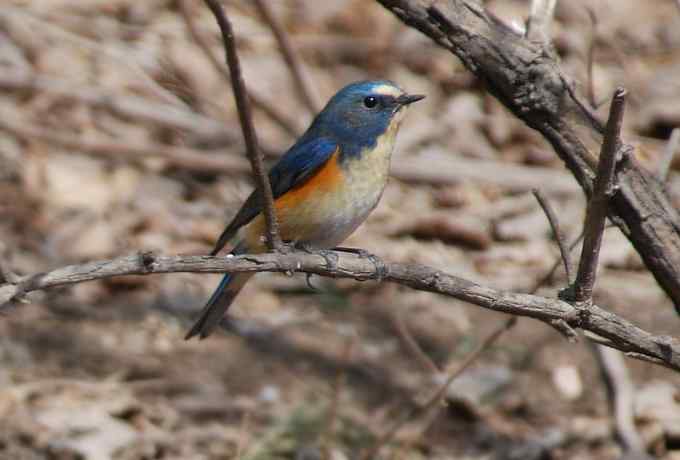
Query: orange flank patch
point(300, 209)
point(324, 180)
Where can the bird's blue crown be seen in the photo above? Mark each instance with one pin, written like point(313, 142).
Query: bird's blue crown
point(357, 115)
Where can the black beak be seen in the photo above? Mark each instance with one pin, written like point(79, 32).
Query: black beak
point(406, 99)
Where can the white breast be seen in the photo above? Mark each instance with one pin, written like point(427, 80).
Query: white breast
point(366, 177)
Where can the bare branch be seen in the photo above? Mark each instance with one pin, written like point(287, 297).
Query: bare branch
point(259, 174)
point(439, 395)
point(622, 334)
point(272, 112)
point(668, 155)
point(540, 18)
point(599, 202)
point(559, 235)
point(527, 79)
point(296, 70)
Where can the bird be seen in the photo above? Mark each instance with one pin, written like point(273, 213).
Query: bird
point(324, 186)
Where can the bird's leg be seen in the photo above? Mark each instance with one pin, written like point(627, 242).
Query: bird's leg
point(380, 267)
point(330, 258)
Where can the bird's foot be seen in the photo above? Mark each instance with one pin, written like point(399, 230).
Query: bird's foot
point(308, 280)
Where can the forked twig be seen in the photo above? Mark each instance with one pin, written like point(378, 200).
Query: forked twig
point(254, 155)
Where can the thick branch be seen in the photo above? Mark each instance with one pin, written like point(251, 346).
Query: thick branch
point(526, 78)
point(246, 119)
point(615, 331)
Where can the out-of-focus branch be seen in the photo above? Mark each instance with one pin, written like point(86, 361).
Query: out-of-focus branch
point(268, 109)
point(621, 395)
point(668, 155)
point(292, 61)
point(134, 107)
point(439, 395)
point(527, 79)
point(599, 201)
point(612, 329)
point(180, 157)
point(540, 19)
point(254, 155)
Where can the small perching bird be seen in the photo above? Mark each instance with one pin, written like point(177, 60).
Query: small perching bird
point(324, 187)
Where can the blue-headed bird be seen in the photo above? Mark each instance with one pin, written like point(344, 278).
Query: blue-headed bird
point(324, 186)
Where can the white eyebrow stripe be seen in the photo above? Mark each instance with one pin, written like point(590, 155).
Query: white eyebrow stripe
point(387, 90)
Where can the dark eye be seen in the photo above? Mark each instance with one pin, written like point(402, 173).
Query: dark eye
point(370, 101)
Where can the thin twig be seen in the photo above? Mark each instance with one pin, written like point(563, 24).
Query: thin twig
point(668, 155)
point(412, 345)
point(603, 189)
point(259, 174)
point(559, 235)
point(540, 18)
point(272, 112)
point(622, 334)
point(296, 70)
point(439, 395)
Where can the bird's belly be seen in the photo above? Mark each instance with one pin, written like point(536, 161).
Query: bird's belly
point(329, 218)
point(324, 217)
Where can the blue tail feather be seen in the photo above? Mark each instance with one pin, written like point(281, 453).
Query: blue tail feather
point(219, 302)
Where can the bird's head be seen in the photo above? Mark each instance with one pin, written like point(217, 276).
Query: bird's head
point(362, 112)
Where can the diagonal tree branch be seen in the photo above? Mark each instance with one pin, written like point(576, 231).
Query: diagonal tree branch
point(527, 79)
point(612, 330)
point(254, 155)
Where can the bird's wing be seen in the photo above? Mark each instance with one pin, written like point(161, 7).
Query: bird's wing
point(296, 166)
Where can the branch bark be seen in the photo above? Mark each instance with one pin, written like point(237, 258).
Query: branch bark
point(611, 329)
point(525, 76)
point(599, 202)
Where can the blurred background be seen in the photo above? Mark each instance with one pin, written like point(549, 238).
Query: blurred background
point(119, 134)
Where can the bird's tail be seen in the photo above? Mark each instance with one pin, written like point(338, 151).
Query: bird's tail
point(220, 301)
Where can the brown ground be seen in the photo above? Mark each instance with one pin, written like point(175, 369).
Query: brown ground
point(100, 371)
